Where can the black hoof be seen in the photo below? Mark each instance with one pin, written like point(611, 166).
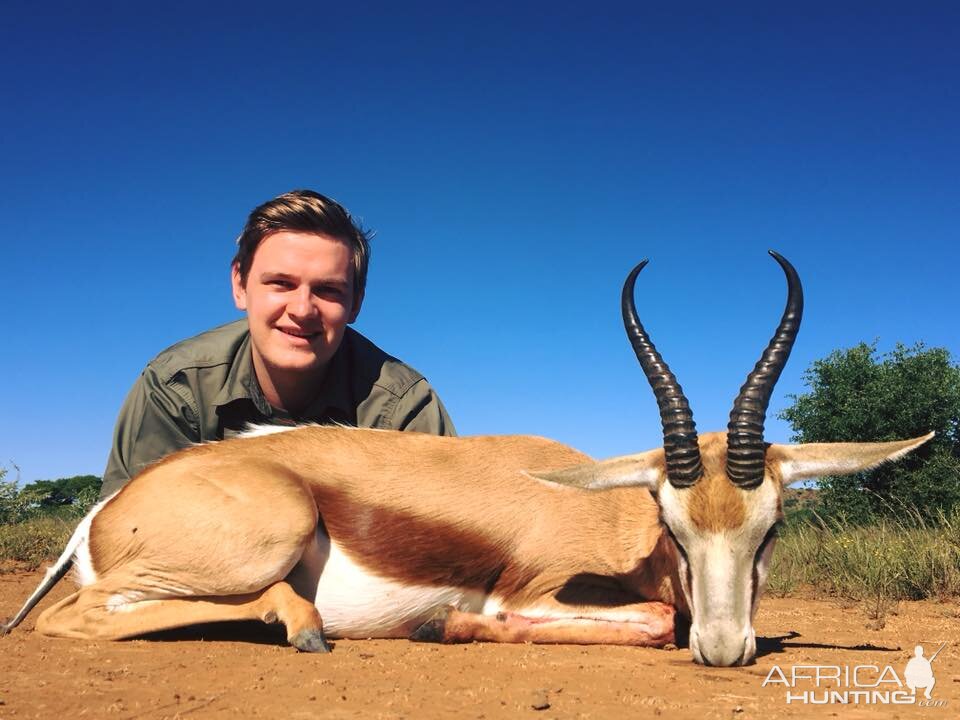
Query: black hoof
point(681, 631)
point(433, 629)
point(311, 641)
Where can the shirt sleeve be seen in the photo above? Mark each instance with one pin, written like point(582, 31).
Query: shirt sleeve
point(420, 410)
point(156, 419)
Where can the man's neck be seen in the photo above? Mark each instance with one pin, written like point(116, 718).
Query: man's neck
point(292, 392)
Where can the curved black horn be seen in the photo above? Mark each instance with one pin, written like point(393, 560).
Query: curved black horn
point(745, 448)
point(679, 430)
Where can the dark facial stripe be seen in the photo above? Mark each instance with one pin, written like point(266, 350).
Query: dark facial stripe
point(771, 535)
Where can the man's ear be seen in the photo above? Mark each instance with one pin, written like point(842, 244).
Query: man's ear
point(239, 291)
point(355, 310)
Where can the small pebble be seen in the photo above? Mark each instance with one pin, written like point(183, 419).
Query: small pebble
point(540, 701)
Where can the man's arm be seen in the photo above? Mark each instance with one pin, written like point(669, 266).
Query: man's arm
point(156, 419)
point(420, 410)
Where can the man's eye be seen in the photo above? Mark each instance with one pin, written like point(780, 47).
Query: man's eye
point(280, 284)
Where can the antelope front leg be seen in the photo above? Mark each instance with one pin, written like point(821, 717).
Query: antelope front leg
point(641, 624)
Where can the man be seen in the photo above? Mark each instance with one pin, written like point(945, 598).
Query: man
point(299, 273)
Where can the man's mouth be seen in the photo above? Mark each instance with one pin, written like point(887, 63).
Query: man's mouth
point(298, 333)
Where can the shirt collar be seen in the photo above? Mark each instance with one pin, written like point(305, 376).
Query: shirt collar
point(334, 394)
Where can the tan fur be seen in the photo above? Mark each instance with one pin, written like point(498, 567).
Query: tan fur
point(226, 520)
point(86, 614)
point(715, 504)
point(212, 532)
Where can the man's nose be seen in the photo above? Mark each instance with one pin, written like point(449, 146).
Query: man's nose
point(302, 305)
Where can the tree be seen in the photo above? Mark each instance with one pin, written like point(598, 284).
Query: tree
point(66, 498)
point(14, 503)
point(8, 498)
point(858, 395)
point(65, 491)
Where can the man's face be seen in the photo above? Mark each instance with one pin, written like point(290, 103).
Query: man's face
point(299, 299)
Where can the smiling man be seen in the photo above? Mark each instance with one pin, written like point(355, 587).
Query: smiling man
point(300, 274)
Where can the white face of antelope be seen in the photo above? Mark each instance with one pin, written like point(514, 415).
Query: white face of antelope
point(719, 493)
point(718, 502)
point(725, 534)
point(724, 537)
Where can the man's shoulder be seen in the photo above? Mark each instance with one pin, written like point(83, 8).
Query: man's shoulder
point(212, 348)
point(373, 366)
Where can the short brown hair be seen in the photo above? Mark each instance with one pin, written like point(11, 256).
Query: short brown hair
point(310, 212)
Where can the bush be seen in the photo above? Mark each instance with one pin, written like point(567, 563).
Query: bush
point(33, 542)
point(857, 395)
point(66, 498)
point(14, 506)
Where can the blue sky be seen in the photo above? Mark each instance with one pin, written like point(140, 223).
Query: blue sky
point(514, 160)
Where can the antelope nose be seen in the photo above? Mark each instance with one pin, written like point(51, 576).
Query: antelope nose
point(723, 650)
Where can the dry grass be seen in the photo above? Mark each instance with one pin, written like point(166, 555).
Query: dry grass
point(29, 543)
point(914, 557)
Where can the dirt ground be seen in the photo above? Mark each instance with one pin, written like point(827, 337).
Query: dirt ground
point(246, 670)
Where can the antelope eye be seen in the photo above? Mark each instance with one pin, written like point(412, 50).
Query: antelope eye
point(771, 535)
point(682, 550)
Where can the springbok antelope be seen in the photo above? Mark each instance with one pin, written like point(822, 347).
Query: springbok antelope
point(512, 539)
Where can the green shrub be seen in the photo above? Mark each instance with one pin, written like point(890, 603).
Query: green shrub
point(36, 521)
point(33, 542)
point(859, 395)
point(66, 498)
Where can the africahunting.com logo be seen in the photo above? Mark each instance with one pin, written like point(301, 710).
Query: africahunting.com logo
point(860, 684)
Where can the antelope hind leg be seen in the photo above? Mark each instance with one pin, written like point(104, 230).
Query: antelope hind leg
point(111, 610)
point(642, 624)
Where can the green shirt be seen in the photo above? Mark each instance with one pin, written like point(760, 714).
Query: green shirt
point(205, 388)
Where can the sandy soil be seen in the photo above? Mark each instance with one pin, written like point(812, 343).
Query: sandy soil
point(247, 670)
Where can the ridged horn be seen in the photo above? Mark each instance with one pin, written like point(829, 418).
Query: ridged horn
point(679, 431)
point(745, 447)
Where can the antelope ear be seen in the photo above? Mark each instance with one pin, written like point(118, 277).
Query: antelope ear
point(814, 459)
point(642, 470)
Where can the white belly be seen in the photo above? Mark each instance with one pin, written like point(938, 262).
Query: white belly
point(355, 603)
